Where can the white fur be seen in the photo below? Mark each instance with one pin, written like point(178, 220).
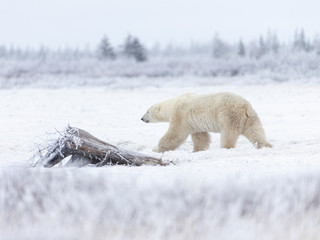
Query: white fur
point(224, 113)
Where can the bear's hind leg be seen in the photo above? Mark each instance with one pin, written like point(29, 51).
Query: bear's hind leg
point(201, 141)
point(229, 138)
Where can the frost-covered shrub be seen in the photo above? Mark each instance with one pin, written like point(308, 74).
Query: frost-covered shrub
point(265, 57)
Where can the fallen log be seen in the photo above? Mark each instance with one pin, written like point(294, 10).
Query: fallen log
point(86, 149)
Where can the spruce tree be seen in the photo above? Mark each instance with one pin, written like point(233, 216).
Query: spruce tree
point(134, 49)
point(300, 43)
point(105, 50)
point(241, 49)
point(220, 48)
point(263, 49)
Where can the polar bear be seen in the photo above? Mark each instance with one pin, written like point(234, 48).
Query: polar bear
point(225, 113)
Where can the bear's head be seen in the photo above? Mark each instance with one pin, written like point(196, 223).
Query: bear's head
point(153, 114)
point(162, 111)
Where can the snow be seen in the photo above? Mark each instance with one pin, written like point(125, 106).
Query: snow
point(240, 193)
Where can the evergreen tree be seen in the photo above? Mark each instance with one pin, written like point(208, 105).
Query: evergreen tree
point(42, 53)
point(275, 45)
point(241, 49)
point(220, 48)
point(300, 43)
point(127, 47)
point(3, 52)
point(105, 50)
point(134, 49)
point(263, 49)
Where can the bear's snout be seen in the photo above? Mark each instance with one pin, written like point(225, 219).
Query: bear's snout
point(145, 117)
point(145, 120)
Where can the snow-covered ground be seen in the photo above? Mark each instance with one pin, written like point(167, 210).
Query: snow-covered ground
point(242, 193)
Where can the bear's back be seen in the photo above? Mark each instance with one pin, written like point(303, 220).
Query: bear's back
point(210, 111)
point(216, 100)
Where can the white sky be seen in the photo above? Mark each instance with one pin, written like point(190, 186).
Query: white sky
point(60, 23)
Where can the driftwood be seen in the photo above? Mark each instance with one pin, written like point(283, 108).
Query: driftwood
point(86, 149)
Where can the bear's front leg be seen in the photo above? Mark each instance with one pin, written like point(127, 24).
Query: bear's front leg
point(175, 136)
point(156, 149)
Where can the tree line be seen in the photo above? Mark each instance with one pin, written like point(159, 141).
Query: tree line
point(132, 48)
point(268, 44)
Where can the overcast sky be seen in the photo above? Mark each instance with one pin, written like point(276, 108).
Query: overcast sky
point(60, 23)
